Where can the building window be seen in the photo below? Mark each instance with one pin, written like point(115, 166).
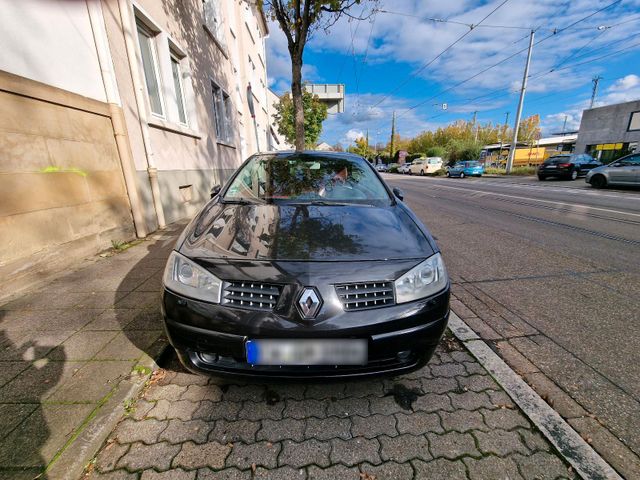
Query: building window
point(634, 122)
point(176, 71)
point(213, 20)
point(149, 54)
point(222, 109)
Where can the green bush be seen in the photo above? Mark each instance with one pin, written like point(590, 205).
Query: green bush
point(514, 171)
point(440, 173)
point(436, 152)
point(393, 169)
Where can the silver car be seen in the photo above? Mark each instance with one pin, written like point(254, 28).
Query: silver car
point(624, 171)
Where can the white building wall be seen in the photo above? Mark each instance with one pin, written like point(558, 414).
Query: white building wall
point(51, 42)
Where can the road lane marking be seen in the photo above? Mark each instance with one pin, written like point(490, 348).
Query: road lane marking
point(552, 188)
point(553, 202)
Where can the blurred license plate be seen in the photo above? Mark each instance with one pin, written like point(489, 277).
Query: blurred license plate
point(306, 352)
point(550, 166)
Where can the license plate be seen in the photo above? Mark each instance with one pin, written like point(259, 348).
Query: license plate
point(306, 352)
point(551, 166)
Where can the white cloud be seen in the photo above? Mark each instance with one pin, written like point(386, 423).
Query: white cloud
point(352, 135)
point(624, 89)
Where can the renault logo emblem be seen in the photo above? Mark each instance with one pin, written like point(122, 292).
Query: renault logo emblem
point(309, 303)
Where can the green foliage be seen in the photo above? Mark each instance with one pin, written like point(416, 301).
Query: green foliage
point(436, 151)
point(461, 150)
point(315, 112)
point(361, 148)
point(393, 170)
point(514, 171)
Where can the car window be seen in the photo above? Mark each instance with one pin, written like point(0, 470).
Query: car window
point(633, 160)
point(302, 178)
point(472, 164)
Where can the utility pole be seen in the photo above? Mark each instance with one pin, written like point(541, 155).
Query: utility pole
point(393, 135)
point(564, 125)
point(514, 143)
point(502, 133)
point(475, 127)
point(594, 91)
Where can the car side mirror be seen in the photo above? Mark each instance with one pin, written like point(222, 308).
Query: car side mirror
point(215, 190)
point(398, 193)
point(618, 164)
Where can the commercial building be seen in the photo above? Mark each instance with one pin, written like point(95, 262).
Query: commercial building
point(530, 154)
point(610, 132)
point(118, 116)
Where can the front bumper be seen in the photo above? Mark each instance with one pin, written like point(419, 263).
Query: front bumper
point(211, 338)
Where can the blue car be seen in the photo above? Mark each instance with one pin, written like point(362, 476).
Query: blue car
point(466, 169)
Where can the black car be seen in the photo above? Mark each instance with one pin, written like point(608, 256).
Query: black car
point(569, 166)
point(298, 268)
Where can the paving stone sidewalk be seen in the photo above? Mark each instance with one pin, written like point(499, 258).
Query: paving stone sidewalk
point(71, 351)
point(449, 420)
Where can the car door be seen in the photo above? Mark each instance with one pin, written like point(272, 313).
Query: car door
point(626, 170)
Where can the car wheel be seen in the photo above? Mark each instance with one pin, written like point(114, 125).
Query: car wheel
point(449, 174)
point(598, 181)
point(461, 174)
point(541, 177)
point(574, 174)
point(422, 172)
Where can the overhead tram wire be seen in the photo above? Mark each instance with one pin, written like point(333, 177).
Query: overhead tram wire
point(449, 47)
point(555, 32)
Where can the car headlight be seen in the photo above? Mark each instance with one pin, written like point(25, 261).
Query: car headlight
point(423, 280)
point(187, 278)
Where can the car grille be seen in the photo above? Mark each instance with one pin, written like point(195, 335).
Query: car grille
point(251, 295)
point(360, 296)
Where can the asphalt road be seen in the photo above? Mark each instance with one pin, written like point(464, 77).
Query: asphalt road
point(566, 260)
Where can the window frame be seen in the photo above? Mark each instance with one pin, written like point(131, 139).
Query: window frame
point(223, 114)
point(178, 59)
point(631, 117)
point(142, 27)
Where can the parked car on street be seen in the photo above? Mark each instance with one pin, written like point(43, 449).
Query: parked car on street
point(466, 169)
point(624, 171)
point(381, 167)
point(404, 168)
point(424, 166)
point(298, 268)
point(568, 166)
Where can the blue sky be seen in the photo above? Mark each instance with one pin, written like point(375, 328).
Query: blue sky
point(382, 62)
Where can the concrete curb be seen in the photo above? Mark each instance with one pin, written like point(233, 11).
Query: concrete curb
point(572, 447)
point(71, 463)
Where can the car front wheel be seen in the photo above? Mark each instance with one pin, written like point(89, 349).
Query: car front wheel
point(598, 181)
point(449, 174)
point(422, 172)
point(461, 174)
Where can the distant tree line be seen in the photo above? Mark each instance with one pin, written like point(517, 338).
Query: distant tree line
point(458, 141)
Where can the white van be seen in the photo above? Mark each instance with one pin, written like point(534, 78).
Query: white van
point(423, 166)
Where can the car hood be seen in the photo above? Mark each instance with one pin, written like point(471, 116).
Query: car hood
point(309, 233)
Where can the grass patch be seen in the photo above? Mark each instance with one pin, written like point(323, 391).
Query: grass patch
point(514, 171)
point(141, 370)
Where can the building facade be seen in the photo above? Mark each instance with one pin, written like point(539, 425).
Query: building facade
point(610, 132)
point(118, 116)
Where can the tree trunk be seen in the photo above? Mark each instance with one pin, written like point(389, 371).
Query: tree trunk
point(298, 108)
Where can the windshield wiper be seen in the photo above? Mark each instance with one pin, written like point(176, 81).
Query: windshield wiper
point(327, 203)
point(239, 201)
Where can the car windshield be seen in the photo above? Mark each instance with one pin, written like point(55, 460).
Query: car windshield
point(307, 179)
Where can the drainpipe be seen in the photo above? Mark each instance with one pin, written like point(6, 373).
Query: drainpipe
point(96, 19)
point(152, 171)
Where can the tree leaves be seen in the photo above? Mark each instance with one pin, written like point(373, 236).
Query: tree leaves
point(315, 112)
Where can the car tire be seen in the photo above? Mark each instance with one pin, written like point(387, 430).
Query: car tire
point(449, 174)
point(422, 173)
point(574, 174)
point(462, 175)
point(598, 181)
point(541, 177)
